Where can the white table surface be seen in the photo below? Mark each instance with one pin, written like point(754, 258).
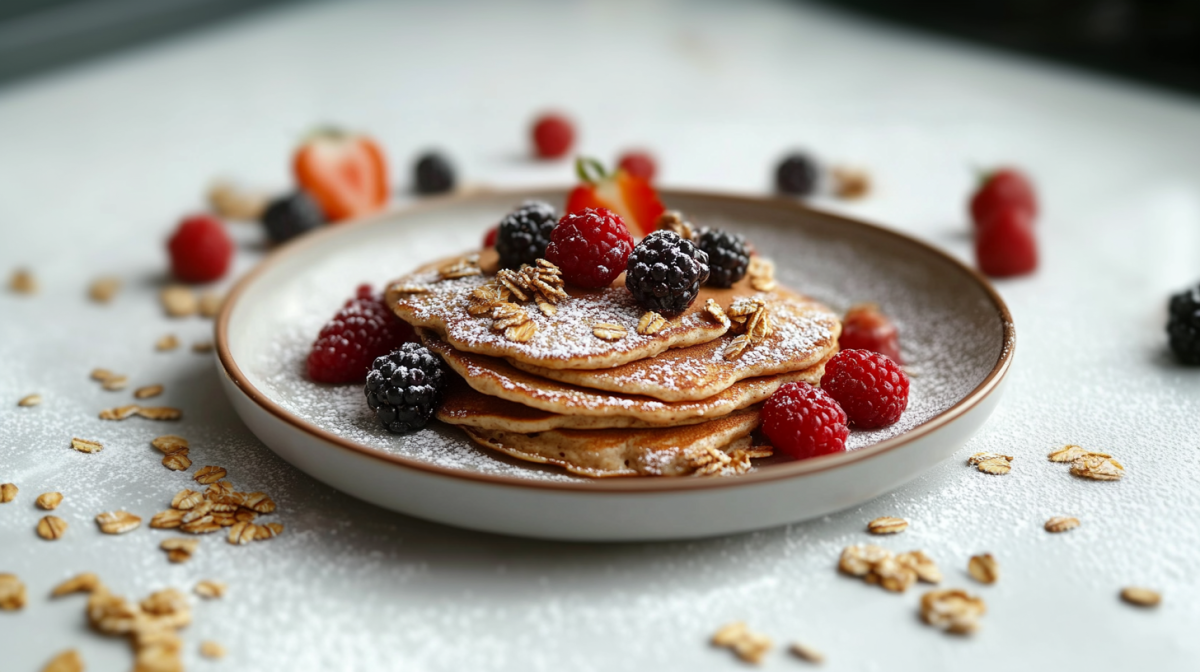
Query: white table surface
point(98, 162)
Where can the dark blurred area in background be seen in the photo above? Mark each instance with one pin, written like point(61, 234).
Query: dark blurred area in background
point(1155, 41)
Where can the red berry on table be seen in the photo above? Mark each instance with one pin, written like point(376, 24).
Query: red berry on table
point(553, 136)
point(361, 331)
point(870, 388)
point(1005, 246)
point(590, 246)
point(629, 196)
point(346, 174)
point(803, 421)
point(865, 328)
point(638, 164)
point(489, 238)
point(1004, 189)
point(200, 249)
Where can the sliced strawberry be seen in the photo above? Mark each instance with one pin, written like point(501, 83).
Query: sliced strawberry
point(631, 197)
point(345, 174)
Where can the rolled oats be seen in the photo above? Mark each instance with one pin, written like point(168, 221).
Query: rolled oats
point(148, 391)
point(1097, 467)
point(955, 610)
point(23, 282)
point(860, 559)
point(241, 533)
point(177, 461)
point(170, 443)
point(1067, 454)
point(926, 569)
point(507, 315)
point(167, 520)
point(1142, 597)
point(259, 502)
point(887, 525)
point(607, 331)
point(892, 575)
point(268, 531)
point(8, 492)
point(761, 273)
point(209, 589)
point(462, 268)
point(65, 661)
point(49, 500)
point(199, 511)
point(522, 333)
point(168, 342)
point(179, 301)
point(186, 499)
point(117, 522)
point(672, 220)
point(120, 412)
point(211, 649)
point(111, 614)
point(30, 400)
point(716, 312)
point(210, 304)
point(102, 290)
point(51, 528)
point(749, 646)
point(209, 475)
point(651, 323)
point(229, 201)
point(1061, 524)
point(101, 375)
point(983, 568)
point(806, 653)
point(217, 490)
point(203, 525)
point(115, 383)
point(991, 463)
point(850, 183)
point(736, 347)
point(202, 346)
point(81, 583)
point(159, 413)
point(12, 592)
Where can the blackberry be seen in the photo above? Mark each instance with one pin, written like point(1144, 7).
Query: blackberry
point(797, 175)
point(728, 257)
point(664, 272)
point(434, 174)
point(292, 215)
point(1183, 326)
point(525, 233)
point(405, 387)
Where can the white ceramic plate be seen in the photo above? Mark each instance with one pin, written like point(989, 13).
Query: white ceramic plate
point(956, 334)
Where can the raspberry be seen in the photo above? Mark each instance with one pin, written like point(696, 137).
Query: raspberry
point(433, 174)
point(803, 421)
point(590, 246)
point(638, 164)
point(524, 234)
point(200, 249)
point(728, 257)
point(797, 175)
point(361, 331)
point(1183, 326)
point(871, 388)
point(1002, 190)
point(1005, 246)
point(665, 271)
point(865, 328)
point(405, 387)
point(292, 216)
point(489, 238)
point(552, 136)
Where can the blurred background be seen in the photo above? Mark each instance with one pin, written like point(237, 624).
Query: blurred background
point(1151, 40)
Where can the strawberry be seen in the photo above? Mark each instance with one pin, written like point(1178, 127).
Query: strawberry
point(344, 173)
point(629, 196)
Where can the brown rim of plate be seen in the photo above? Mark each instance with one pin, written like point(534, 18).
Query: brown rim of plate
point(633, 484)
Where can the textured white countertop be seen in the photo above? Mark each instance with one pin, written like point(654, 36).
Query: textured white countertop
point(98, 162)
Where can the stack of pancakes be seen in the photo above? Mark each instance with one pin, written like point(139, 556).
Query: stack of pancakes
point(588, 380)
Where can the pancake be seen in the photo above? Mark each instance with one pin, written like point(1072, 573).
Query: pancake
point(804, 332)
point(497, 378)
point(438, 300)
point(715, 447)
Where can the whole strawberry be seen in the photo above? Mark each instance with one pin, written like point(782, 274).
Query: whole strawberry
point(361, 331)
point(871, 389)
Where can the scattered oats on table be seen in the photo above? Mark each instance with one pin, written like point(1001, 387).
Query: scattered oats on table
point(166, 413)
point(80, 583)
point(120, 412)
point(991, 463)
point(1067, 453)
point(30, 400)
point(210, 304)
point(23, 282)
point(209, 475)
point(202, 347)
point(8, 492)
point(749, 646)
point(147, 391)
point(101, 375)
point(179, 549)
point(165, 343)
point(850, 183)
point(209, 589)
point(1141, 597)
point(51, 528)
point(1061, 524)
point(887, 525)
point(955, 610)
point(177, 461)
point(66, 661)
point(115, 383)
point(103, 289)
point(983, 568)
point(179, 301)
point(167, 520)
point(807, 653)
point(211, 649)
point(12, 592)
point(49, 501)
point(117, 522)
point(1097, 467)
point(230, 201)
